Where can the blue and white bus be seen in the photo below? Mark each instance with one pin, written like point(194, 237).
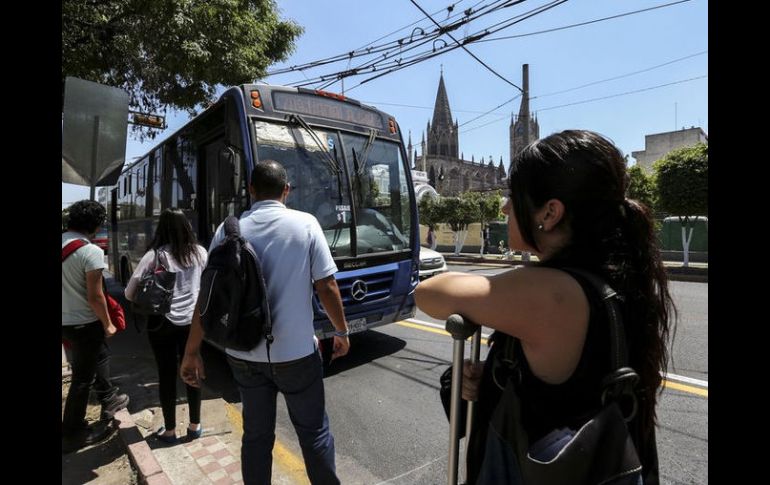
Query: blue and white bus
point(346, 165)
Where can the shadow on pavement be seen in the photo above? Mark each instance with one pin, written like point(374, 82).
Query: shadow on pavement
point(104, 462)
point(365, 347)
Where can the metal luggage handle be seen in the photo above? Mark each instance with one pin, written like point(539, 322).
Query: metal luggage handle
point(460, 329)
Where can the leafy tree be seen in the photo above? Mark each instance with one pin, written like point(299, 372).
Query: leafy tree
point(458, 212)
point(641, 186)
point(172, 52)
point(681, 178)
point(488, 208)
point(429, 211)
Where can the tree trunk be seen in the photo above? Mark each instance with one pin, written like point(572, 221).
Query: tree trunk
point(460, 240)
point(686, 239)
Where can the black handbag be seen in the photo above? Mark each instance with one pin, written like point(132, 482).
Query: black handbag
point(155, 290)
point(600, 452)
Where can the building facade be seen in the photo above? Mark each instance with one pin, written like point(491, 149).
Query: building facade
point(447, 170)
point(658, 145)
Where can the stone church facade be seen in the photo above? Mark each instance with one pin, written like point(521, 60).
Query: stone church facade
point(446, 167)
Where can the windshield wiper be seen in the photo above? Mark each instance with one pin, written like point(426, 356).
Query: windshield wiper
point(365, 151)
point(330, 161)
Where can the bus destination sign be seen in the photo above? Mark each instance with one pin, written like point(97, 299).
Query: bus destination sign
point(326, 108)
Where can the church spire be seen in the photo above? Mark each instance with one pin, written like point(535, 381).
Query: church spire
point(409, 151)
point(442, 131)
point(442, 114)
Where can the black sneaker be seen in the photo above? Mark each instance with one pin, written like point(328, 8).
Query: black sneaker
point(86, 437)
point(113, 405)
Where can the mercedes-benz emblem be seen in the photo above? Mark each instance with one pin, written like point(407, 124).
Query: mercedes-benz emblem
point(358, 290)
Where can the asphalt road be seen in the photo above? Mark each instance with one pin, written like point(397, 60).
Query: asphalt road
point(389, 425)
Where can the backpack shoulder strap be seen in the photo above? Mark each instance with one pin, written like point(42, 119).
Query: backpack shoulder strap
point(621, 380)
point(619, 352)
point(71, 247)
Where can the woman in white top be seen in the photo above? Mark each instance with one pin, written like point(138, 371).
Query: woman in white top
point(179, 252)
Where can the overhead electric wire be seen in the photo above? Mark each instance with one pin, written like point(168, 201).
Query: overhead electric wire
point(399, 49)
point(620, 77)
point(591, 83)
point(378, 103)
point(623, 94)
point(467, 40)
point(584, 23)
point(365, 50)
point(465, 48)
point(491, 110)
point(596, 99)
point(375, 64)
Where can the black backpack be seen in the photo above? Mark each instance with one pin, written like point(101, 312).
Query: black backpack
point(155, 290)
point(233, 297)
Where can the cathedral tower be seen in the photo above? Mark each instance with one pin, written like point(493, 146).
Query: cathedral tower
point(442, 133)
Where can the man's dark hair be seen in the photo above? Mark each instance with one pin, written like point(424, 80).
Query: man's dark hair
point(86, 216)
point(268, 179)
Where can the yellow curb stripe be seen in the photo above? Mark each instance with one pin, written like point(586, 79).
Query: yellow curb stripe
point(429, 329)
point(669, 384)
point(289, 463)
point(685, 388)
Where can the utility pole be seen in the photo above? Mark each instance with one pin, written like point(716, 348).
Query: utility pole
point(525, 113)
point(525, 104)
point(675, 118)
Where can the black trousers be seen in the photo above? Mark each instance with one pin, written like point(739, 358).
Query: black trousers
point(168, 342)
point(89, 357)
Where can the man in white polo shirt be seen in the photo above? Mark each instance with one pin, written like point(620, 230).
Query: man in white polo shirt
point(295, 258)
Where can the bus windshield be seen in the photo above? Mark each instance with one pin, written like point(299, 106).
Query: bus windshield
point(331, 173)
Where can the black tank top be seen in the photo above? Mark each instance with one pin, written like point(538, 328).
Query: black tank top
point(571, 403)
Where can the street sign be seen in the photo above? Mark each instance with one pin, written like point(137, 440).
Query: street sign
point(94, 130)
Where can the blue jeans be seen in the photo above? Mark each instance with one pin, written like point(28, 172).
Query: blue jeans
point(301, 383)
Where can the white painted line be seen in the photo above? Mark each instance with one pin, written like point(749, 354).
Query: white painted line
point(689, 380)
point(436, 325)
point(412, 471)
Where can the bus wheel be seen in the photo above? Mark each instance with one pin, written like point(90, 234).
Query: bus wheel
point(326, 347)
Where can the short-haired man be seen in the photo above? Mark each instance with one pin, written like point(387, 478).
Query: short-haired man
point(295, 258)
point(85, 325)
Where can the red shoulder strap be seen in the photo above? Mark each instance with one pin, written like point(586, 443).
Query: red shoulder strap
point(71, 248)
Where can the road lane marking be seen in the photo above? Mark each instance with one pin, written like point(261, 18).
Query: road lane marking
point(667, 382)
point(686, 380)
point(422, 327)
point(412, 471)
point(291, 464)
point(684, 388)
point(435, 325)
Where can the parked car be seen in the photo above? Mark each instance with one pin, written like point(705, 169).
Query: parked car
point(102, 239)
point(431, 262)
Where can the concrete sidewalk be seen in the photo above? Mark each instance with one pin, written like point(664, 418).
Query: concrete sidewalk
point(695, 272)
point(214, 458)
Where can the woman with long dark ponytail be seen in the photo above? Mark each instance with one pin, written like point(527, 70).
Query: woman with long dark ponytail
point(178, 251)
point(567, 205)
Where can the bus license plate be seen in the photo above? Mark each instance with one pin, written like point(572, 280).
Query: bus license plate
point(357, 325)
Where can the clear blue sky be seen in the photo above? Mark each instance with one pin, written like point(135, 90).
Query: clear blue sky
point(558, 61)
